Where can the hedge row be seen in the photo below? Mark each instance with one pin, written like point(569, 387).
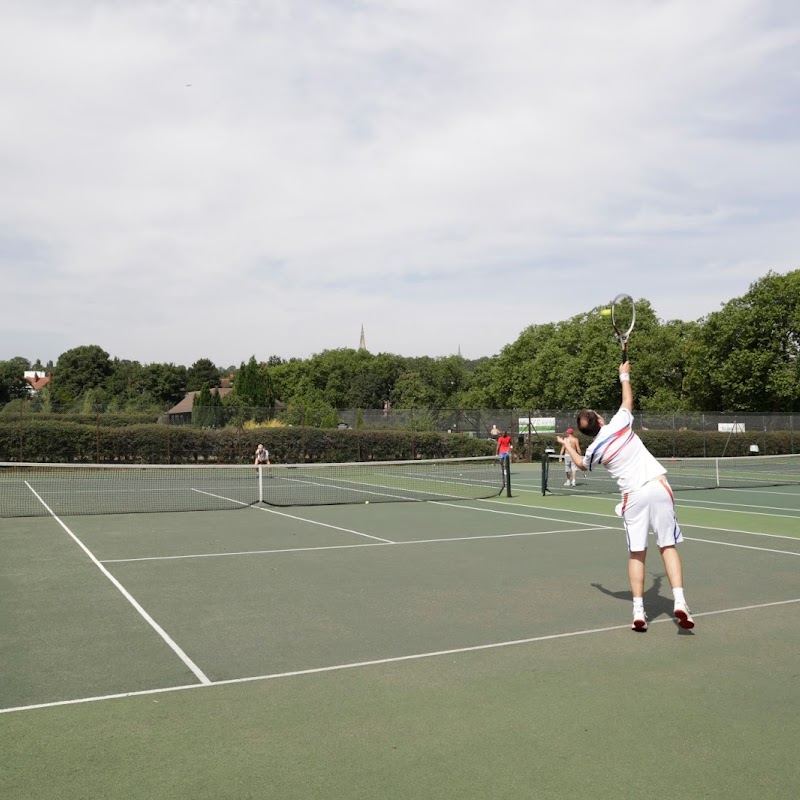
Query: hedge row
point(65, 442)
point(10, 414)
point(696, 444)
point(48, 440)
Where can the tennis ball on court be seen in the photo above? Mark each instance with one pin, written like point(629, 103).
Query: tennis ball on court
point(606, 312)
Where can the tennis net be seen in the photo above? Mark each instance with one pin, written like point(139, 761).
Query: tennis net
point(733, 472)
point(28, 489)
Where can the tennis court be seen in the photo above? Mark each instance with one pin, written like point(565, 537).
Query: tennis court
point(475, 648)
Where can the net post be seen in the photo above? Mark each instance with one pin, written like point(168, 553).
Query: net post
point(507, 468)
point(260, 483)
point(548, 451)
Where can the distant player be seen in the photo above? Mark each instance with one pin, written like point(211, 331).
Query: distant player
point(569, 464)
point(262, 458)
point(647, 500)
point(504, 446)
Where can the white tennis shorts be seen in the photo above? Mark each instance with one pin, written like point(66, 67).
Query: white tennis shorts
point(650, 508)
point(568, 465)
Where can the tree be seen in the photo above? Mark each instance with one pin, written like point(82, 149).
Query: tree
point(202, 371)
point(124, 383)
point(165, 383)
point(251, 387)
point(746, 357)
point(79, 370)
point(662, 362)
point(206, 408)
point(413, 391)
point(13, 385)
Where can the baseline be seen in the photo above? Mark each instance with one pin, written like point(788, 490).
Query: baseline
point(381, 661)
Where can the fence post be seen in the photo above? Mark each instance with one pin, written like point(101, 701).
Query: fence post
point(22, 433)
point(674, 434)
point(705, 453)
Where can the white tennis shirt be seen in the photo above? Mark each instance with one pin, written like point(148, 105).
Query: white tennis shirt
point(623, 454)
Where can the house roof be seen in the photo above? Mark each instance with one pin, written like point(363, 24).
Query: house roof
point(37, 381)
point(185, 405)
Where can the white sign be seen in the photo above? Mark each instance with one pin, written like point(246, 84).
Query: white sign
point(537, 424)
point(730, 427)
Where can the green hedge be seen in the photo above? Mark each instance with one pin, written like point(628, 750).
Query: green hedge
point(695, 444)
point(41, 440)
point(107, 419)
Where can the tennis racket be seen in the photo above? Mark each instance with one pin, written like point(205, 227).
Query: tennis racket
point(623, 317)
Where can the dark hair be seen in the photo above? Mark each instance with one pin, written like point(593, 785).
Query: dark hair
point(588, 422)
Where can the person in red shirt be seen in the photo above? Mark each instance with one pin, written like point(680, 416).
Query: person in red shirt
point(504, 446)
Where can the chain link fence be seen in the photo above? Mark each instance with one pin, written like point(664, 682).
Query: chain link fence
point(742, 431)
point(533, 430)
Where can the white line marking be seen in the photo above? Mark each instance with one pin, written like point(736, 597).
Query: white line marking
point(763, 491)
point(292, 516)
point(382, 661)
point(744, 546)
point(349, 546)
point(463, 507)
point(700, 505)
point(247, 552)
point(683, 525)
point(358, 484)
point(128, 596)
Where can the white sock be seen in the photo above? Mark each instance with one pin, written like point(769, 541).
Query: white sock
point(677, 593)
point(638, 603)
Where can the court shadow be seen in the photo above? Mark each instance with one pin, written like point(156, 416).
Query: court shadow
point(655, 604)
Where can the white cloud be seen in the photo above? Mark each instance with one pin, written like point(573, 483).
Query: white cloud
point(196, 179)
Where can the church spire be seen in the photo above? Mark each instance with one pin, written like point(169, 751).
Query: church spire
point(362, 345)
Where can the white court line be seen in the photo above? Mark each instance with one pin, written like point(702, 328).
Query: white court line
point(593, 529)
point(358, 484)
point(247, 552)
point(129, 597)
point(463, 507)
point(383, 491)
point(683, 501)
point(683, 525)
point(762, 491)
point(745, 546)
point(382, 661)
point(700, 505)
point(292, 516)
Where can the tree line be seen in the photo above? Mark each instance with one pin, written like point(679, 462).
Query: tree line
point(743, 357)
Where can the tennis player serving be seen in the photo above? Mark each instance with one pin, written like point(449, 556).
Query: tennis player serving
point(647, 500)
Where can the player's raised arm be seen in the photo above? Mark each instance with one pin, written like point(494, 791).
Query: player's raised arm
point(625, 380)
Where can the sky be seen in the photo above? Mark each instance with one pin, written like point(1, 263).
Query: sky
point(186, 179)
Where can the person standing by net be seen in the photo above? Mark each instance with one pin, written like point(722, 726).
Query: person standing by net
point(262, 459)
point(504, 446)
point(569, 465)
point(647, 500)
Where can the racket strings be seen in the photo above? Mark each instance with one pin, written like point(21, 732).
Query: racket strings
point(623, 316)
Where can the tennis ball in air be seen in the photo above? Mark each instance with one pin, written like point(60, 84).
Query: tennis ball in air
point(366, 502)
point(606, 312)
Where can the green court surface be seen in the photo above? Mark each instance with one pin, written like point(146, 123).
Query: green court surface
point(475, 649)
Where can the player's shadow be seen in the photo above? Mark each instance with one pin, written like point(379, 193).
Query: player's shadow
point(654, 603)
